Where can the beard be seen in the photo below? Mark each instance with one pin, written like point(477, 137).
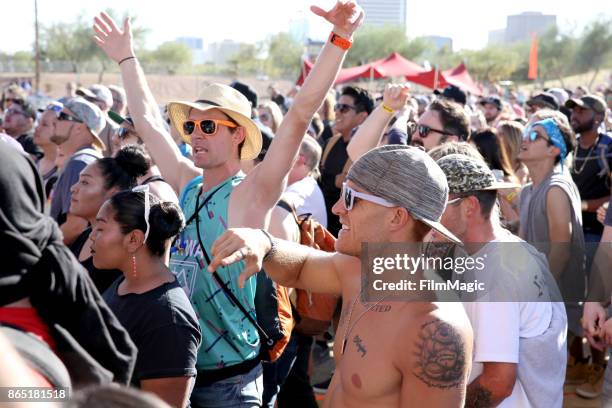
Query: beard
point(583, 127)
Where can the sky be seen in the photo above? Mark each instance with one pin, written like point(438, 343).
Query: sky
point(467, 22)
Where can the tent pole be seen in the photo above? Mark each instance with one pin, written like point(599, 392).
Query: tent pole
point(435, 77)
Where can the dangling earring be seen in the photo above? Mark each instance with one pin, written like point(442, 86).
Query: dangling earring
point(133, 266)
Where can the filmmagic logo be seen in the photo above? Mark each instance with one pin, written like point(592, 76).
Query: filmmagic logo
point(430, 285)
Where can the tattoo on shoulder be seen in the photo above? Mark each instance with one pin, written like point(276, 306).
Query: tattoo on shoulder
point(478, 397)
point(440, 355)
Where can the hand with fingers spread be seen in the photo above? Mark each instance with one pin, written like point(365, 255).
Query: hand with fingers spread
point(593, 318)
point(237, 244)
point(396, 95)
point(116, 44)
point(346, 17)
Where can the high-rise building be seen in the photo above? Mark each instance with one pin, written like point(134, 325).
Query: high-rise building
point(520, 27)
point(381, 12)
point(196, 45)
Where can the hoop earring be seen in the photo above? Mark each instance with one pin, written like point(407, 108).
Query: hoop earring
point(134, 266)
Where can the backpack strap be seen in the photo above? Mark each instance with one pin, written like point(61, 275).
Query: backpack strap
point(330, 144)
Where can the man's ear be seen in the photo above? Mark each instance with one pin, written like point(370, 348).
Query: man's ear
point(239, 135)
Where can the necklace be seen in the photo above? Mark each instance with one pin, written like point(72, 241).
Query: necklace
point(350, 328)
point(577, 170)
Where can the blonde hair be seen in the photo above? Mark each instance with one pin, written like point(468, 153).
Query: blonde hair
point(510, 133)
point(311, 150)
point(275, 113)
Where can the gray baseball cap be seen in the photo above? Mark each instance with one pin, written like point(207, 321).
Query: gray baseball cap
point(98, 92)
point(466, 174)
point(408, 177)
point(90, 115)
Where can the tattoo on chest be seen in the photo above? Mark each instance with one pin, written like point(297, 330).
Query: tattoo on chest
point(440, 355)
point(381, 308)
point(360, 347)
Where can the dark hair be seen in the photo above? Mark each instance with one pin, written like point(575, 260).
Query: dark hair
point(165, 218)
point(486, 198)
point(493, 151)
point(122, 171)
point(27, 108)
point(452, 116)
point(362, 99)
point(562, 123)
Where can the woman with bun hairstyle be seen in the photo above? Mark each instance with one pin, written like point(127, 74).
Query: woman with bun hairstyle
point(97, 183)
point(131, 234)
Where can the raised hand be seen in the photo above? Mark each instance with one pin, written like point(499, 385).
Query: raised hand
point(237, 244)
point(116, 44)
point(396, 95)
point(346, 17)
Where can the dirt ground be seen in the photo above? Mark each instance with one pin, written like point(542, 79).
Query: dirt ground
point(164, 87)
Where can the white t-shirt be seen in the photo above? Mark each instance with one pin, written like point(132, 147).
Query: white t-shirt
point(307, 197)
point(530, 333)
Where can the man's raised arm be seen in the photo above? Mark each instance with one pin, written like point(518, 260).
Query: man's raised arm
point(272, 172)
point(287, 263)
point(143, 108)
point(370, 132)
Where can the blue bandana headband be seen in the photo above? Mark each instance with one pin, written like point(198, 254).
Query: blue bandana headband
point(553, 132)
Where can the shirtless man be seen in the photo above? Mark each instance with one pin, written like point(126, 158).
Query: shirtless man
point(388, 354)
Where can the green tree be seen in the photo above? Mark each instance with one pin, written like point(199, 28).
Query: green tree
point(556, 55)
point(491, 64)
point(171, 56)
point(71, 42)
point(595, 47)
point(372, 43)
point(284, 55)
point(245, 61)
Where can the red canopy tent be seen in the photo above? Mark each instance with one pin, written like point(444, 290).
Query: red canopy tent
point(392, 66)
point(395, 66)
point(458, 76)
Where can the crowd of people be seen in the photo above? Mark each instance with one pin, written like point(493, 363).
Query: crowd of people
point(196, 253)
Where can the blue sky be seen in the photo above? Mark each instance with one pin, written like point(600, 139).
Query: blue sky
point(467, 22)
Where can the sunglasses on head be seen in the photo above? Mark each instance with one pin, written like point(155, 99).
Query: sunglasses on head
point(123, 133)
point(349, 195)
point(425, 130)
point(207, 126)
point(65, 116)
point(343, 107)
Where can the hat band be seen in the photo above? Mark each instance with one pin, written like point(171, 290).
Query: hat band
point(206, 101)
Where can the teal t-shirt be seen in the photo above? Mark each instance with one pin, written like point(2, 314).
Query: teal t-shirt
point(228, 338)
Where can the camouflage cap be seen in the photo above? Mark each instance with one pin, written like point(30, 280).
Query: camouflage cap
point(466, 174)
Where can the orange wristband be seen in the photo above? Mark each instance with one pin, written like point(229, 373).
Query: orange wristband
point(339, 41)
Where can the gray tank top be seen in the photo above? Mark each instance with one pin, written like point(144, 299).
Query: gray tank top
point(534, 229)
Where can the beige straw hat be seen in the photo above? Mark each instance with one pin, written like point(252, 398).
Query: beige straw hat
point(227, 100)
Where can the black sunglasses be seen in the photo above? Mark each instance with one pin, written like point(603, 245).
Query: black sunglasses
point(343, 107)
point(207, 126)
point(65, 116)
point(424, 131)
